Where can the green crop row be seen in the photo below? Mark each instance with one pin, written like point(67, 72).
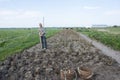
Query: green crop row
point(16, 40)
point(107, 38)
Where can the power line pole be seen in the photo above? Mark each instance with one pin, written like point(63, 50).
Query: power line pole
point(43, 22)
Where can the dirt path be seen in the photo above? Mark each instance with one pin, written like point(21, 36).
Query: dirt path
point(106, 50)
point(66, 50)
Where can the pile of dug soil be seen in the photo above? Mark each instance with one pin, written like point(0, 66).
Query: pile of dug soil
point(66, 50)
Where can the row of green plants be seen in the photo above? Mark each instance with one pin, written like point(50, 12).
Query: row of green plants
point(109, 39)
point(16, 40)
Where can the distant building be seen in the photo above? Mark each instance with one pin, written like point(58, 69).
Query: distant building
point(99, 25)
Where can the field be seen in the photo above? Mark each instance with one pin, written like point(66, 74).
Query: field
point(113, 30)
point(108, 36)
point(67, 51)
point(16, 40)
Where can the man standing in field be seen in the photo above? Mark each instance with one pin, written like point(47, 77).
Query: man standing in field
point(43, 37)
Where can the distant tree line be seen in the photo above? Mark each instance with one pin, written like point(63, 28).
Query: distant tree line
point(115, 26)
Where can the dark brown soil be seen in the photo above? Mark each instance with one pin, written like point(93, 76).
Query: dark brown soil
point(66, 50)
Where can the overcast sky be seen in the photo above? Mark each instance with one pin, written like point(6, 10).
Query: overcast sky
point(28, 13)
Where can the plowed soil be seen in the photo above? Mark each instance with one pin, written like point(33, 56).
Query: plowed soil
point(66, 50)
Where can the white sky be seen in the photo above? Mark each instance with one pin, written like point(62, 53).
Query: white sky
point(28, 13)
